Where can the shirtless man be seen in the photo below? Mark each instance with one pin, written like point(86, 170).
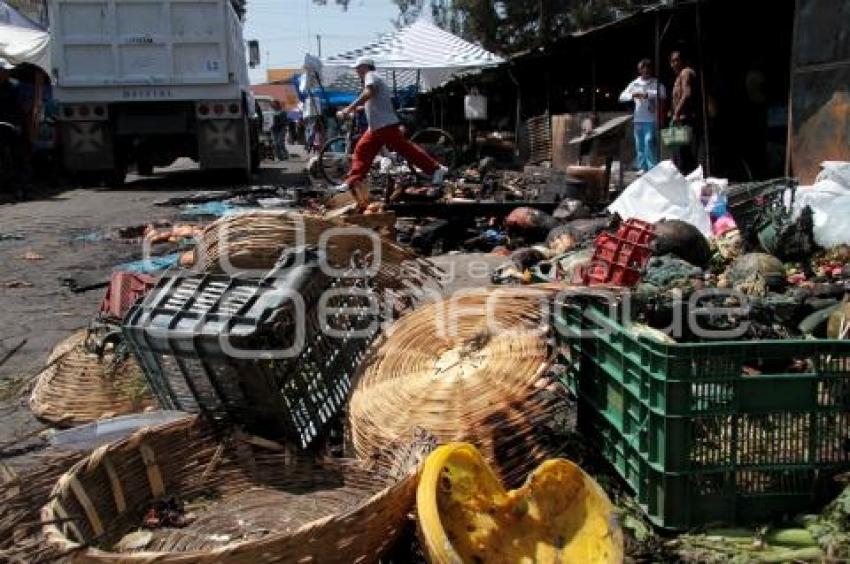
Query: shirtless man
point(685, 110)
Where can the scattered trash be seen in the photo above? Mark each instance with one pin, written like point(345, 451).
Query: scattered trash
point(168, 512)
point(92, 435)
point(619, 257)
point(529, 224)
point(77, 287)
point(668, 271)
point(681, 239)
point(829, 200)
point(171, 234)
point(570, 209)
point(465, 514)
point(208, 209)
point(124, 290)
point(91, 236)
point(29, 255)
point(662, 193)
point(220, 195)
point(527, 257)
point(16, 284)
point(755, 273)
point(137, 540)
point(152, 265)
point(11, 352)
point(561, 239)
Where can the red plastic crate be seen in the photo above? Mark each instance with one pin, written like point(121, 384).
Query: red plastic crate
point(636, 231)
point(124, 290)
point(619, 258)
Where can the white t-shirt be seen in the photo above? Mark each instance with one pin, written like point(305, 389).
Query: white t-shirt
point(312, 105)
point(379, 107)
point(646, 109)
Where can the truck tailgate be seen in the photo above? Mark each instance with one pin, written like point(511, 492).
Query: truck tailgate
point(152, 42)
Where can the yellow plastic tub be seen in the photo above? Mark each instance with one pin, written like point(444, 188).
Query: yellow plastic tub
point(560, 514)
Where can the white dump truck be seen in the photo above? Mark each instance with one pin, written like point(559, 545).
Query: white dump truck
point(142, 83)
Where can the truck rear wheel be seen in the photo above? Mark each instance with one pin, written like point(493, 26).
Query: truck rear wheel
point(255, 158)
point(144, 168)
point(116, 177)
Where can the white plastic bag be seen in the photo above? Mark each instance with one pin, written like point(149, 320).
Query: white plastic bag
point(829, 199)
point(662, 193)
point(837, 171)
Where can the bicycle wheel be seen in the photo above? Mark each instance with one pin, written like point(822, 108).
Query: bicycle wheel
point(334, 160)
point(438, 143)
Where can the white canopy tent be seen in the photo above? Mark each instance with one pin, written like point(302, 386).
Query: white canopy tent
point(24, 45)
point(417, 53)
point(22, 40)
point(10, 16)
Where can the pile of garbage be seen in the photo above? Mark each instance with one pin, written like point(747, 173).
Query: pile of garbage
point(776, 251)
point(207, 335)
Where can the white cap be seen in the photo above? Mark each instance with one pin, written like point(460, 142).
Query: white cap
point(6, 65)
point(364, 61)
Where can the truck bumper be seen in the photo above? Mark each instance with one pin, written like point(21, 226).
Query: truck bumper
point(87, 145)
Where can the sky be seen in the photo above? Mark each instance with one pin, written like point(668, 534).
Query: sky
point(286, 29)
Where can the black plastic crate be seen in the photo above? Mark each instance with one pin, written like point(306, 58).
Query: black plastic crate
point(747, 200)
point(224, 345)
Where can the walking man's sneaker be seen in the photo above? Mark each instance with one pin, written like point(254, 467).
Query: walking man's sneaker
point(439, 176)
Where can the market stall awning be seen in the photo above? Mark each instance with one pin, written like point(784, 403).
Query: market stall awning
point(10, 16)
point(25, 45)
point(422, 47)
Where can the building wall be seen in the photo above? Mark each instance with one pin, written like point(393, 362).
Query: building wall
point(821, 87)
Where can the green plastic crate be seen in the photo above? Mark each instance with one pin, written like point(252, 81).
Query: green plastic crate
point(698, 441)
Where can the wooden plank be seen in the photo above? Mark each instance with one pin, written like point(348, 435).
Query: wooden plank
point(563, 154)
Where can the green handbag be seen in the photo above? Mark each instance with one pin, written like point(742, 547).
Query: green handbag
point(677, 135)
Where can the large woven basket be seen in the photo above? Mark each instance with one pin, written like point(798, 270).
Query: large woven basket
point(78, 386)
point(22, 495)
point(445, 369)
point(255, 240)
point(253, 500)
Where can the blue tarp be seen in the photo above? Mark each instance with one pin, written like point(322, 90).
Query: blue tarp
point(152, 265)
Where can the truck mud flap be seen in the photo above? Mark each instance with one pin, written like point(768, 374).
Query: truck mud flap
point(88, 145)
point(223, 143)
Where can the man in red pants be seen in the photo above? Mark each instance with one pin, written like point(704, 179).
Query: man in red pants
point(384, 129)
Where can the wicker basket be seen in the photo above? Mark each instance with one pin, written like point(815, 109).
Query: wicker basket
point(255, 240)
point(78, 386)
point(22, 496)
point(253, 500)
point(465, 384)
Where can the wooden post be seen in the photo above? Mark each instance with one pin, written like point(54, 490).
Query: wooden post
point(789, 138)
point(518, 123)
point(705, 135)
point(659, 106)
point(593, 87)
